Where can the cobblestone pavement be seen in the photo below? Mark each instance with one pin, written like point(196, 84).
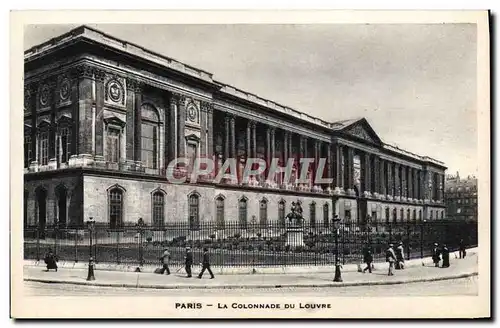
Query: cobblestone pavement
point(464, 286)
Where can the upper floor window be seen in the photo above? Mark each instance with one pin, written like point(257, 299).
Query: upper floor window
point(149, 136)
point(28, 154)
point(64, 145)
point(44, 147)
point(113, 145)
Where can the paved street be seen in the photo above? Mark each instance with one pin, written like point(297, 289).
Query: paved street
point(465, 286)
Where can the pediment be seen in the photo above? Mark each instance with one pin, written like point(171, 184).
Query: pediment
point(362, 130)
point(113, 120)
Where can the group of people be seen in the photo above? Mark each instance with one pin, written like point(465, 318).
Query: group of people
point(395, 257)
point(188, 261)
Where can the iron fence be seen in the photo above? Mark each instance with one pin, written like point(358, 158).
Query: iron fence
point(258, 245)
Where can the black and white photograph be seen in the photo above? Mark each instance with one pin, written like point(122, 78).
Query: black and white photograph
point(253, 170)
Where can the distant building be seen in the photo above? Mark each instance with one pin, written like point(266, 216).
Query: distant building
point(461, 197)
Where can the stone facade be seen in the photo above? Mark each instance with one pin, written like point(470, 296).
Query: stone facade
point(104, 120)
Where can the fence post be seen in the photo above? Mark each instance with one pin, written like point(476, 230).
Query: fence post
point(117, 246)
point(408, 240)
point(77, 232)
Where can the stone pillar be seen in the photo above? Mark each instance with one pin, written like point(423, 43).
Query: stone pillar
point(85, 76)
point(227, 121)
point(174, 105)
point(317, 150)
point(286, 154)
point(181, 125)
point(404, 186)
point(410, 183)
point(441, 188)
point(366, 175)
point(383, 181)
point(421, 185)
point(53, 126)
point(138, 124)
point(232, 141)
point(31, 100)
point(249, 139)
point(376, 176)
point(330, 163)
point(397, 182)
point(290, 145)
point(350, 171)
point(390, 180)
point(210, 130)
point(273, 144)
point(268, 148)
point(427, 191)
point(254, 139)
point(99, 121)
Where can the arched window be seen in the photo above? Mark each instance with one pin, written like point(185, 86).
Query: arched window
point(394, 216)
point(442, 215)
point(281, 213)
point(387, 215)
point(158, 209)
point(43, 148)
point(219, 203)
point(28, 155)
point(414, 215)
point(149, 136)
point(263, 212)
point(62, 202)
point(408, 215)
point(115, 208)
point(312, 214)
point(64, 145)
point(326, 215)
point(420, 215)
point(242, 213)
point(194, 212)
point(401, 215)
point(431, 215)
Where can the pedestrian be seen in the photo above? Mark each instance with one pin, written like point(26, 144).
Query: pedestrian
point(165, 260)
point(400, 257)
point(206, 264)
point(446, 257)
point(51, 260)
point(368, 259)
point(189, 261)
point(461, 249)
point(436, 256)
point(391, 258)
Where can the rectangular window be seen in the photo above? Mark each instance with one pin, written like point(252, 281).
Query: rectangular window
point(312, 215)
point(65, 144)
point(44, 148)
point(149, 145)
point(113, 146)
point(27, 151)
point(347, 215)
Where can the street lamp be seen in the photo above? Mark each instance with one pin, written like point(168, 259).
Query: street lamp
point(140, 226)
point(336, 225)
point(90, 226)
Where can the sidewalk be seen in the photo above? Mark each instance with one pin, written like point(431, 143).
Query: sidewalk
point(459, 269)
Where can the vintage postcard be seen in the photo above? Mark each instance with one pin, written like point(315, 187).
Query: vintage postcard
point(292, 164)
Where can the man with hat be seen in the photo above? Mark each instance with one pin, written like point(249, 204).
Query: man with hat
point(436, 255)
point(391, 258)
point(400, 257)
point(189, 261)
point(206, 264)
point(446, 257)
point(165, 259)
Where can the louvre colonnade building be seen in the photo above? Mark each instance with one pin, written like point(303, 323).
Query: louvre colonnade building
point(103, 118)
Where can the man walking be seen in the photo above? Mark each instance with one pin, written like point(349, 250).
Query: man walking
point(436, 255)
point(391, 258)
point(461, 249)
point(189, 261)
point(165, 259)
point(400, 256)
point(368, 259)
point(206, 264)
point(446, 257)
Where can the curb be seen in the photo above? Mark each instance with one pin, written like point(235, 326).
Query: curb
point(342, 284)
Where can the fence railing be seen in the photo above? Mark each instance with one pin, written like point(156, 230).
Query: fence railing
point(269, 244)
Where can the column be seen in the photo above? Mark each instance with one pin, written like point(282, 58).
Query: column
point(181, 138)
point(138, 124)
point(290, 140)
point(273, 143)
point(173, 127)
point(383, 182)
point(404, 182)
point(350, 170)
point(410, 183)
point(227, 136)
point(249, 139)
point(232, 149)
point(99, 122)
point(427, 191)
point(254, 139)
point(366, 175)
point(268, 148)
point(53, 126)
point(421, 182)
point(441, 187)
point(317, 149)
point(390, 179)
point(376, 176)
point(210, 130)
point(339, 174)
point(397, 182)
point(285, 147)
point(329, 156)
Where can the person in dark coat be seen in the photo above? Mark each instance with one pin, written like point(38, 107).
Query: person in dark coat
point(400, 257)
point(206, 264)
point(461, 249)
point(446, 257)
point(391, 258)
point(436, 255)
point(189, 261)
point(368, 259)
point(51, 260)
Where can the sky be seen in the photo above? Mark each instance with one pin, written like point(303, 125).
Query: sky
point(414, 83)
